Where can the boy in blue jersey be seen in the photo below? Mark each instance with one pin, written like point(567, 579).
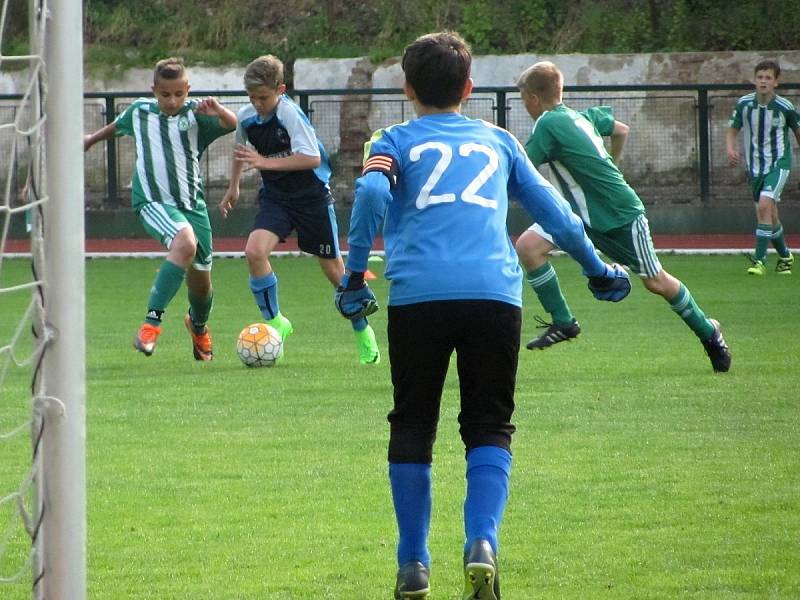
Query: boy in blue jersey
point(440, 183)
point(275, 137)
point(766, 120)
point(171, 133)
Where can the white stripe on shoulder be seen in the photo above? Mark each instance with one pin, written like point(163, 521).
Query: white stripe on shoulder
point(747, 98)
point(144, 103)
point(784, 102)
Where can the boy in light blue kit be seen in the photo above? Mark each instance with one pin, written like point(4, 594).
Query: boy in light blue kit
point(275, 137)
point(441, 183)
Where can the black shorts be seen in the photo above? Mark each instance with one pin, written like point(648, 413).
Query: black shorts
point(313, 219)
point(485, 335)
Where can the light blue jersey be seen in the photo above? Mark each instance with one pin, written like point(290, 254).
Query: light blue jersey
point(441, 184)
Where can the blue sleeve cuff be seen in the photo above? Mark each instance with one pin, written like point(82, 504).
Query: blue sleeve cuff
point(357, 258)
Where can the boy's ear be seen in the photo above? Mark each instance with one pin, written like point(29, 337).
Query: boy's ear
point(467, 89)
point(281, 89)
point(409, 91)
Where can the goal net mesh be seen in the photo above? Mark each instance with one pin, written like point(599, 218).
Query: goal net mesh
point(23, 337)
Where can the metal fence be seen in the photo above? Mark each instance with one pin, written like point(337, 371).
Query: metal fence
point(674, 153)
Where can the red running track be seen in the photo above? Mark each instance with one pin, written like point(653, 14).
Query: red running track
point(662, 242)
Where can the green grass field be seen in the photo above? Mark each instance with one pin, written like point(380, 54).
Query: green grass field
point(638, 472)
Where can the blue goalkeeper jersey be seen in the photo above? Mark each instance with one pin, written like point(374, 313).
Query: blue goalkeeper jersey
point(441, 184)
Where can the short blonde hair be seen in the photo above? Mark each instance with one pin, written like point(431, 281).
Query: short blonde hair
point(169, 68)
point(265, 71)
point(542, 79)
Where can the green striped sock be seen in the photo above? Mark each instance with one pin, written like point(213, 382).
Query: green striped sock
point(544, 282)
point(166, 285)
point(779, 241)
point(763, 236)
point(199, 310)
point(686, 308)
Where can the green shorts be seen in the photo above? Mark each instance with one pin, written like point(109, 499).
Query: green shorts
point(770, 185)
point(630, 245)
point(163, 222)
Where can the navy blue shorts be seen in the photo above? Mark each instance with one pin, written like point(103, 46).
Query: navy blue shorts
point(313, 219)
point(485, 337)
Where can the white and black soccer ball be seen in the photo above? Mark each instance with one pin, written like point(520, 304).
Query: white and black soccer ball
point(259, 345)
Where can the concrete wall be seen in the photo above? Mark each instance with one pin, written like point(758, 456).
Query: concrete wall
point(579, 69)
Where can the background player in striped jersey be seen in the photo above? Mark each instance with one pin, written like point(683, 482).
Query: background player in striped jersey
point(441, 184)
point(765, 119)
point(275, 137)
point(571, 143)
point(171, 132)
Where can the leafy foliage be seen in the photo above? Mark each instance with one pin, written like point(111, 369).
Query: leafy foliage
point(128, 32)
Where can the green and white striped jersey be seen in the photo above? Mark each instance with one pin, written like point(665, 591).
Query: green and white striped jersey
point(168, 151)
point(765, 132)
point(571, 143)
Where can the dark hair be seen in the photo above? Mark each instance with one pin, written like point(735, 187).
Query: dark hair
point(766, 65)
point(437, 66)
point(169, 68)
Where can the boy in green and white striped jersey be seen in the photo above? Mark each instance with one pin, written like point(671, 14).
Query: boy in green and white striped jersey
point(766, 119)
point(171, 132)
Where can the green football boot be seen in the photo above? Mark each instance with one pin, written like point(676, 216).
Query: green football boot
point(282, 325)
point(758, 268)
point(368, 352)
point(784, 265)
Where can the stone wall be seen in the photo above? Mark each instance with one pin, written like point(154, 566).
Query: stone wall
point(647, 157)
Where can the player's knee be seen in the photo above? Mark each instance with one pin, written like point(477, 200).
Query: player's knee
point(532, 253)
point(411, 444)
point(254, 254)
point(183, 248)
point(499, 436)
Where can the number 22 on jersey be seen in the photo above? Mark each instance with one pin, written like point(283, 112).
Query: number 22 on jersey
point(447, 160)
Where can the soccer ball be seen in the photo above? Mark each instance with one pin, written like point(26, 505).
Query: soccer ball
point(259, 345)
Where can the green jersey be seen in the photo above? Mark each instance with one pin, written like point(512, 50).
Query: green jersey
point(168, 151)
point(766, 132)
point(571, 143)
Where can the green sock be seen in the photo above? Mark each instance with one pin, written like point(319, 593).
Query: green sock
point(168, 282)
point(778, 241)
point(763, 236)
point(686, 308)
point(544, 282)
point(199, 310)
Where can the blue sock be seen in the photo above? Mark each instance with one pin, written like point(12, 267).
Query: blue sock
point(359, 324)
point(488, 470)
point(265, 291)
point(411, 494)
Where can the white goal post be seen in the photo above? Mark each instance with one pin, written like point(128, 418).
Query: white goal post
point(62, 486)
point(43, 179)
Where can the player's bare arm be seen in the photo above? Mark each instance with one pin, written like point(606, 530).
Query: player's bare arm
point(211, 106)
point(730, 144)
point(101, 134)
point(251, 159)
point(618, 138)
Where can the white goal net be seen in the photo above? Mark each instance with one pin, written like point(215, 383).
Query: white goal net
point(42, 345)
